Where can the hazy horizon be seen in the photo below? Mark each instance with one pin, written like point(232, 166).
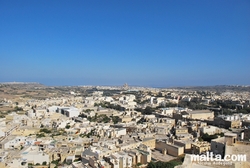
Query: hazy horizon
point(118, 85)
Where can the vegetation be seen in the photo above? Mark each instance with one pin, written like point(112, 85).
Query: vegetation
point(229, 107)
point(78, 159)
point(30, 165)
point(40, 135)
point(110, 92)
point(99, 118)
point(18, 109)
point(88, 135)
point(115, 119)
point(206, 137)
point(59, 132)
point(87, 110)
point(111, 106)
point(56, 162)
point(147, 111)
point(105, 118)
point(244, 110)
point(194, 104)
point(67, 126)
point(141, 121)
point(45, 130)
point(167, 105)
point(138, 164)
point(68, 163)
point(170, 164)
point(82, 115)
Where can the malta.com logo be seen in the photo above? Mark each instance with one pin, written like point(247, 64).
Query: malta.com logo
point(215, 159)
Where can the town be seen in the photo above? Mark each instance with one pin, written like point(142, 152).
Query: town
point(121, 126)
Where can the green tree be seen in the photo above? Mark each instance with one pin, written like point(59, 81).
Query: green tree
point(40, 135)
point(170, 164)
point(115, 119)
point(148, 110)
point(67, 126)
point(106, 119)
point(18, 108)
point(208, 138)
point(45, 130)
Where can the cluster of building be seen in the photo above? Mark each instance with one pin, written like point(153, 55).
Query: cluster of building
point(61, 131)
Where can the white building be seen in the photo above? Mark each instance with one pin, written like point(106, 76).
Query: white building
point(167, 111)
point(34, 155)
point(69, 111)
point(120, 131)
point(210, 130)
point(124, 159)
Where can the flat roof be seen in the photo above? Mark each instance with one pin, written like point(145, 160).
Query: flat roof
point(200, 111)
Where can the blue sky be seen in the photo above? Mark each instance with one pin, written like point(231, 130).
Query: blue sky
point(141, 42)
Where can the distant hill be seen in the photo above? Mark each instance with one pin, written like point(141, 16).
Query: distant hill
point(218, 88)
point(24, 84)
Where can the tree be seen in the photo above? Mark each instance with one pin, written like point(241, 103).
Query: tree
point(138, 164)
point(45, 130)
point(115, 119)
point(141, 121)
point(208, 138)
point(105, 119)
point(67, 126)
point(40, 135)
point(18, 108)
point(170, 164)
point(87, 110)
point(82, 115)
point(30, 165)
point(151, 165)
point(200, 139)
point(148, 110)
point(56, 162)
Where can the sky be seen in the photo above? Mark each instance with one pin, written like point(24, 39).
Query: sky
point(140, 42)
